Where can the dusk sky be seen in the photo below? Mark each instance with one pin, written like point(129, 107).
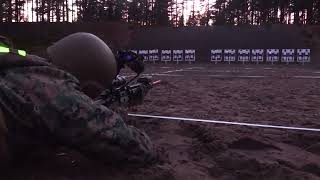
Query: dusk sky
point(188, 7)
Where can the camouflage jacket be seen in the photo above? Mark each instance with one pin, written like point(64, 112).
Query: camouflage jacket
point(44, 104)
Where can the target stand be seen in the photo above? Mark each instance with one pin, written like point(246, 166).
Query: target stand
point(257, 55)
point(166, 56)
point(244, 55)
point(287, 56)
point(229, 55)
point(178, 56)
point(303, 56)
point(273, 55)
point(216, 55)
point(190, 55)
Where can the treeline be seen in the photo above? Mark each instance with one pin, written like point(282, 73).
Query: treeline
point(267, 12)
point(164, 12)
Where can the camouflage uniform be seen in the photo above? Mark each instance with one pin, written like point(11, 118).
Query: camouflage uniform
point(44, 104)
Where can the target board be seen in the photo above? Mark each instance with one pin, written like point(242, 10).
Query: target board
point(154, 55)
point(166, 55)
point(272, 55)
point(178, 55)
point(216, 55)
point(244, 55)
point(303, 55)
point(287, 56)
point(190, 55)
point(145, 54)
point(229, 55)
point(257, 55)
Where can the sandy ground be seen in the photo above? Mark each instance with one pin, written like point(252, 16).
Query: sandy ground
point(265, 94)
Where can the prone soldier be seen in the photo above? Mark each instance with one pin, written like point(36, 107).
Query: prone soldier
point(50, 101)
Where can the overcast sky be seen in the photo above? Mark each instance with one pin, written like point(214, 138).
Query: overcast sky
point(187, 10)
point(197, 4)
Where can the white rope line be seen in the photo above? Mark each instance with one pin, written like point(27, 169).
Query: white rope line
point(307, 77)
point(228, 76)
point(209, 71)
point(225, 122)
point(253, 76)
point(178, 70)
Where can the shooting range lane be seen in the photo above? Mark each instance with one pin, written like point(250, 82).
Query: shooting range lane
point(225, 122)
point(235, 71)
point(207, 72)
point(269, 124)
point(263, 90)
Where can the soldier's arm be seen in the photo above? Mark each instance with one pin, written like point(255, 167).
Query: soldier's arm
point(94, 129)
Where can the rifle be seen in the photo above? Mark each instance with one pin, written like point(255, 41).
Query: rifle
point(124, 92)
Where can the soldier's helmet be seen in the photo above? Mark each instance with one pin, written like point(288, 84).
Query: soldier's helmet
point(85, 56)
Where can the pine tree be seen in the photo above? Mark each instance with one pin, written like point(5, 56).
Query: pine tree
point(162, 13)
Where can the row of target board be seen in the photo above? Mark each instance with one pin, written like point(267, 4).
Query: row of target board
point(258, 55)
point(188, 55)
point(230, 55)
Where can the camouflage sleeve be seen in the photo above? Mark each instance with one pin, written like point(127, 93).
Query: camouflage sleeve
point(47, 100)
point(96, 130)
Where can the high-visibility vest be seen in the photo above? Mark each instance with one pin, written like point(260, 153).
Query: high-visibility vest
point(6, 50)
